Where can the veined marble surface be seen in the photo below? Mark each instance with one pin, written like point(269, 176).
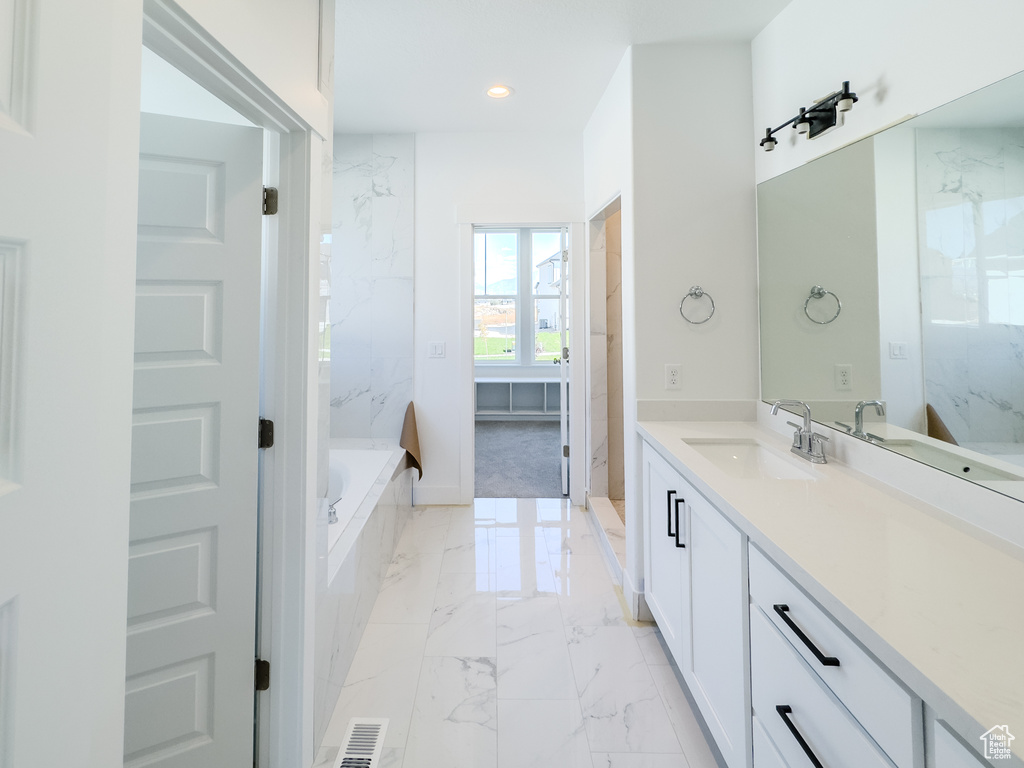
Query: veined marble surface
point(971, 224)
point(372, 285)
point(499, 639)
point(939, 602)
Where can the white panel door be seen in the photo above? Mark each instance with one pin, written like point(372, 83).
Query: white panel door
point(192, 555)
point(68, 167)
point(563, 373)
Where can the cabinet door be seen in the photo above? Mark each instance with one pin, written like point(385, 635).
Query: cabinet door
point(667, 575)
point(719, 621)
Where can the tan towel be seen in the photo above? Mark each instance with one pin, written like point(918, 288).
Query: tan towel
point(410, 440)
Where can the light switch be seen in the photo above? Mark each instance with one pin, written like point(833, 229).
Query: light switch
point(435, 349)
point(898, 350)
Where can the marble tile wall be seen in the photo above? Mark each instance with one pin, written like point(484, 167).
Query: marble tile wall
point(597, 406)
point(344, 604)
point(613, 328)
point(372, 284)
point(971, 249)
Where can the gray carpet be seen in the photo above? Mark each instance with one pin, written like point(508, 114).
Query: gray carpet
point(518, 460)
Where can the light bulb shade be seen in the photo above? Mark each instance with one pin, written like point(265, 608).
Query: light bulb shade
point(845, 105)
point(768, 143)
point(802, 127)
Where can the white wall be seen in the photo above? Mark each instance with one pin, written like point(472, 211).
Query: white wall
point(694, 219)
point(902, 57)
point(464, 179)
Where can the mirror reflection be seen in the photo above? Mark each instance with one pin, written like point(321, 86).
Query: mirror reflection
point(892, 278)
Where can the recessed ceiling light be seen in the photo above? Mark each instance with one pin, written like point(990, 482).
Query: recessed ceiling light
point(499, 91)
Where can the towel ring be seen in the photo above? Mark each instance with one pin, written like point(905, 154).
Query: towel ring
point(817, 292)
point(697, 292)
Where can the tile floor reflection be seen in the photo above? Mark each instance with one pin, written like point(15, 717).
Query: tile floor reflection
point(499, 639)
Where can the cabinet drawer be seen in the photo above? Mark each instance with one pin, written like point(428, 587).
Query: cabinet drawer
point(765, 753)
point(780, 679)
point(886, 710)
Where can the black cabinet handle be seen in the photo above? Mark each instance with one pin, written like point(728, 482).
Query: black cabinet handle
point(828, 661)
point(784, 710)
point(678, 544)
point(668, 512)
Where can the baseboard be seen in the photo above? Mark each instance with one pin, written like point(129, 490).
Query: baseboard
point(436, 495)
point(635, 599)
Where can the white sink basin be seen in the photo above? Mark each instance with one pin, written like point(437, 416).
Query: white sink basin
point(747, 459)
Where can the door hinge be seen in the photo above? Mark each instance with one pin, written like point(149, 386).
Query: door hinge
point(565, 451)
point(269, 201)
point(266, 433)
point(565, 255)
point(262, 675)
point(565, 353)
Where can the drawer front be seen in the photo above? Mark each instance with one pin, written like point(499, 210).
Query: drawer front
point(887, 711)
point(765, 753)
point(780, 679)
point(950, 753)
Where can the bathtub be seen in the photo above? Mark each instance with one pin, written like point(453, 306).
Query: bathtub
point(353, 556)
point(357, 477)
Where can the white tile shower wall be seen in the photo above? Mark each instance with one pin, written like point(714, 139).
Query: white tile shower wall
point(372, 284)
point(971, 224)
point(343, 606)
point(598, 405)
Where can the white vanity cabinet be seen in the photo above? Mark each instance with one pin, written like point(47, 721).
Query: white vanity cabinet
point(667, 577)
point(695, 586)
point(815, 691)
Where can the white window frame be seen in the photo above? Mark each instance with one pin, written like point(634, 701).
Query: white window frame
point(525, 306)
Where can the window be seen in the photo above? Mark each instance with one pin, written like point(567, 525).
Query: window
point(517, 276)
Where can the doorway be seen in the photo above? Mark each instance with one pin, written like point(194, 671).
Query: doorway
point(606, 449)
point(521, 341)
point(192, 571)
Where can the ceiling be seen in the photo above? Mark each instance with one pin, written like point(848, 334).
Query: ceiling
point(406, 66)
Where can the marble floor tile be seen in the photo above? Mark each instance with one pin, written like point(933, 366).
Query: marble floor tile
point(523, 567)
point(539, 734)
point(382, 681)
point(688, 732)
point(455, 718)
point(407, 593)
point(622, 707)
point(473, 550)
point(533, 658)
point(586, 593)
point(649, 639)
point(425, 532)
point(638, 760)
point(463, 622)
point(499, 638)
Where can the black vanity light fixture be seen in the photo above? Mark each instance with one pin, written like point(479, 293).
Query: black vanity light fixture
point(819, 118)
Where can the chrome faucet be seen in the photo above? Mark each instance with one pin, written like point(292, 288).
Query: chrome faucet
point(807, 443)
point(858, 415)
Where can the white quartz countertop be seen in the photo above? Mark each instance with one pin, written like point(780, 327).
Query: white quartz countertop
point(938, 601)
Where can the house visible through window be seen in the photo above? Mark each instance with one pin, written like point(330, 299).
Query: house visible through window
point(517, 280)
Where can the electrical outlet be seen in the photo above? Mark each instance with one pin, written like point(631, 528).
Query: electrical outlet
point(672, 375)
point(844, 376)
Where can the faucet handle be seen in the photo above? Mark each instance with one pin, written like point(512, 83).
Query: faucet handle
point(797, 427)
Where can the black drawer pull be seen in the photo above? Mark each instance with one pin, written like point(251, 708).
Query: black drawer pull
point(828, 661)
point(668, 513)
point(678, 544)
point(785, 709)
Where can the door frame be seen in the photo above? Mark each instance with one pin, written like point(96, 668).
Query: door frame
point(578, 277)
point(288, 387)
